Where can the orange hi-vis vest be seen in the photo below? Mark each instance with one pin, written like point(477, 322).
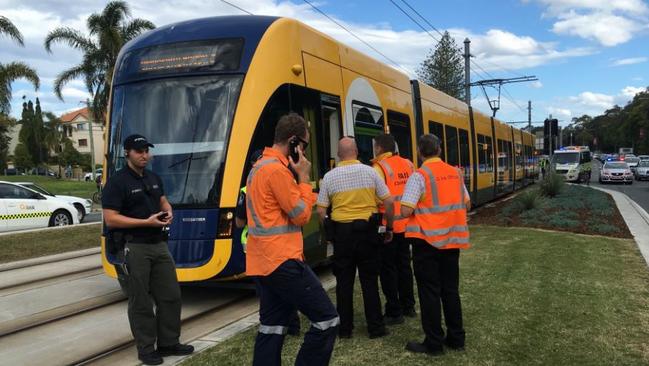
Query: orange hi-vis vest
point(440, 216)
point(277, 208)
point(396, 170)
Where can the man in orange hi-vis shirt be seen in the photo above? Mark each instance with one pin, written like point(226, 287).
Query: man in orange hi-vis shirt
point(436, 202)
point(277, 208)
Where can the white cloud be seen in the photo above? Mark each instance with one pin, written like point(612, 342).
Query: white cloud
point(560, 113)
point(75, 94)
point(608, 22)
point(606, 28)
point(592, 103)
point(536, 84)
point(630, 61)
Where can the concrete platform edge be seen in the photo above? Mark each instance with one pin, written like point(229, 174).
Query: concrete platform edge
point(48, 259)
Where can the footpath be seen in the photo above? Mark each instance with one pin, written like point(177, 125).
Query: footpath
point(636, 218)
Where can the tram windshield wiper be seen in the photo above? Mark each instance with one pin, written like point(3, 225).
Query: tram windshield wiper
point(190, 157)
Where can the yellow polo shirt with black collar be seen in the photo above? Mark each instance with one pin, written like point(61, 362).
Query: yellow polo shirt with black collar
point(352, 190)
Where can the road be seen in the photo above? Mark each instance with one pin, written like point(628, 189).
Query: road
point(92, 217)
point(638, 191)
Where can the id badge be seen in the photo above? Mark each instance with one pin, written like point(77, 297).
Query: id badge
point(381, 229)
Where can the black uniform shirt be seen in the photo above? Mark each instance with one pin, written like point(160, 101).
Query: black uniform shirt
point(134, 196)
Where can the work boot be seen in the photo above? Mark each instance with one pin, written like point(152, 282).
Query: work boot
point(175, 350)
point(410, 313)
point(151, 358)
point(417, 347)
point(394, 320)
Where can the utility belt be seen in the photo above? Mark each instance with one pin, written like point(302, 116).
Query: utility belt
point(117, 240)
point(370, 225)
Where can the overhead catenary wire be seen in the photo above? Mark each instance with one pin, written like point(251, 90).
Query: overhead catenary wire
point(357, 37)
point(237, 7)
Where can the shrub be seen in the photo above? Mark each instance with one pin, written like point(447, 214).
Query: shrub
point(529, 200)
point(552, 184)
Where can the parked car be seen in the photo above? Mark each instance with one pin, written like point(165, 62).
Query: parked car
point(44, 171)
point(632, 162)
point(642, 170)
point(83, 205)
point(616, 171)
point(643, 157)
point(23, 208)
point(88, 176)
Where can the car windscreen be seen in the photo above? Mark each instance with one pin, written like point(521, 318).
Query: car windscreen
point(632, 160)
point(565, 158)
point(38, 189)
point(615, 166)
point(643, 164)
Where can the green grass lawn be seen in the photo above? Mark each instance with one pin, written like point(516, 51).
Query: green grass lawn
point(530, 297)
point(57, 186)
point(36, 244)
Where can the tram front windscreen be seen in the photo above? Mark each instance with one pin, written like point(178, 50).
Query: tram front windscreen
point(188, 119)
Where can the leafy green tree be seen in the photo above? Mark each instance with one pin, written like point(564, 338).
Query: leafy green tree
point(109, 31)
point(14, 70)
point(22, 157)
point(6, 123)
point(443, 69)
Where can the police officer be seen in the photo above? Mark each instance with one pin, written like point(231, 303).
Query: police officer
point(241, 217)
point(353, 189)
point(436, 202)
point(396, 273)
point(277, 208)
point(135, 211)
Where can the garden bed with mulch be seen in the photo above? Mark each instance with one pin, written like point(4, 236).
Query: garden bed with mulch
point(576, 209)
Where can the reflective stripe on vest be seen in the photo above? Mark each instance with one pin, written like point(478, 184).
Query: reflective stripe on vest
point(441, 224)
point(244, 231)
point(397, 170)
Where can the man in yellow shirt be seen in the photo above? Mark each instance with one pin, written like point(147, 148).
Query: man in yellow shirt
point(352, 190)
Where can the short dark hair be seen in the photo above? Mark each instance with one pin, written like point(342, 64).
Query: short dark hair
point(429, 145)
point(290, 125)
point(385, 142)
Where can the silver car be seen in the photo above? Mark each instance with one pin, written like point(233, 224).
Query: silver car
point(642, 170)
point(616, 171)
point(632, 162)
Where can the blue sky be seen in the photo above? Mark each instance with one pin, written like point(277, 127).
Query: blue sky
point(587, 54)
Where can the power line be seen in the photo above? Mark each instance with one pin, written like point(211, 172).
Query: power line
point(357, 37)
point(413, 19)
point(235, 6)
point(422, 17)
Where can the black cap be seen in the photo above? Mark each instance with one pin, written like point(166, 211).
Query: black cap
point(136, 142)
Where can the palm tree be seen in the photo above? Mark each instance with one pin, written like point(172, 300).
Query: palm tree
point(14, 70)
point(109, 31)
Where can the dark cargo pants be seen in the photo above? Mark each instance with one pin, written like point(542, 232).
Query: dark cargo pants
point(152, 280)
point(294, 285)
point(396, 276)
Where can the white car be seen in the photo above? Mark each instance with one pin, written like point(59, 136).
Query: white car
point(88, 176)
point(643, 157)
point(83, 205)
point(22, 208)
point(616, 171)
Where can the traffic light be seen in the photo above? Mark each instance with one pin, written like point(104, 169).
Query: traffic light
point(550, 133)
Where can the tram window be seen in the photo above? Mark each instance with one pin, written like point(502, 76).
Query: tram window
point(437, 129)
point(519, 156)
point(451, 146)
point(328, 134)
point(399, 124)
point(502, 156)
point(368, 123)
point(482, 154)
point(465, 162)
point(490, 154)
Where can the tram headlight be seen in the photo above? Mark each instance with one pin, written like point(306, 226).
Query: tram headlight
point(226, 220)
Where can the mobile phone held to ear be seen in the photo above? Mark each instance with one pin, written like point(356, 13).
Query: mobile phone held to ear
point(295, 154)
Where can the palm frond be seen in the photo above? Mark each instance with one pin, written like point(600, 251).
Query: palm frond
point(8, 28)
point(72, 37)
point(66, 76)
point(135, 27)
